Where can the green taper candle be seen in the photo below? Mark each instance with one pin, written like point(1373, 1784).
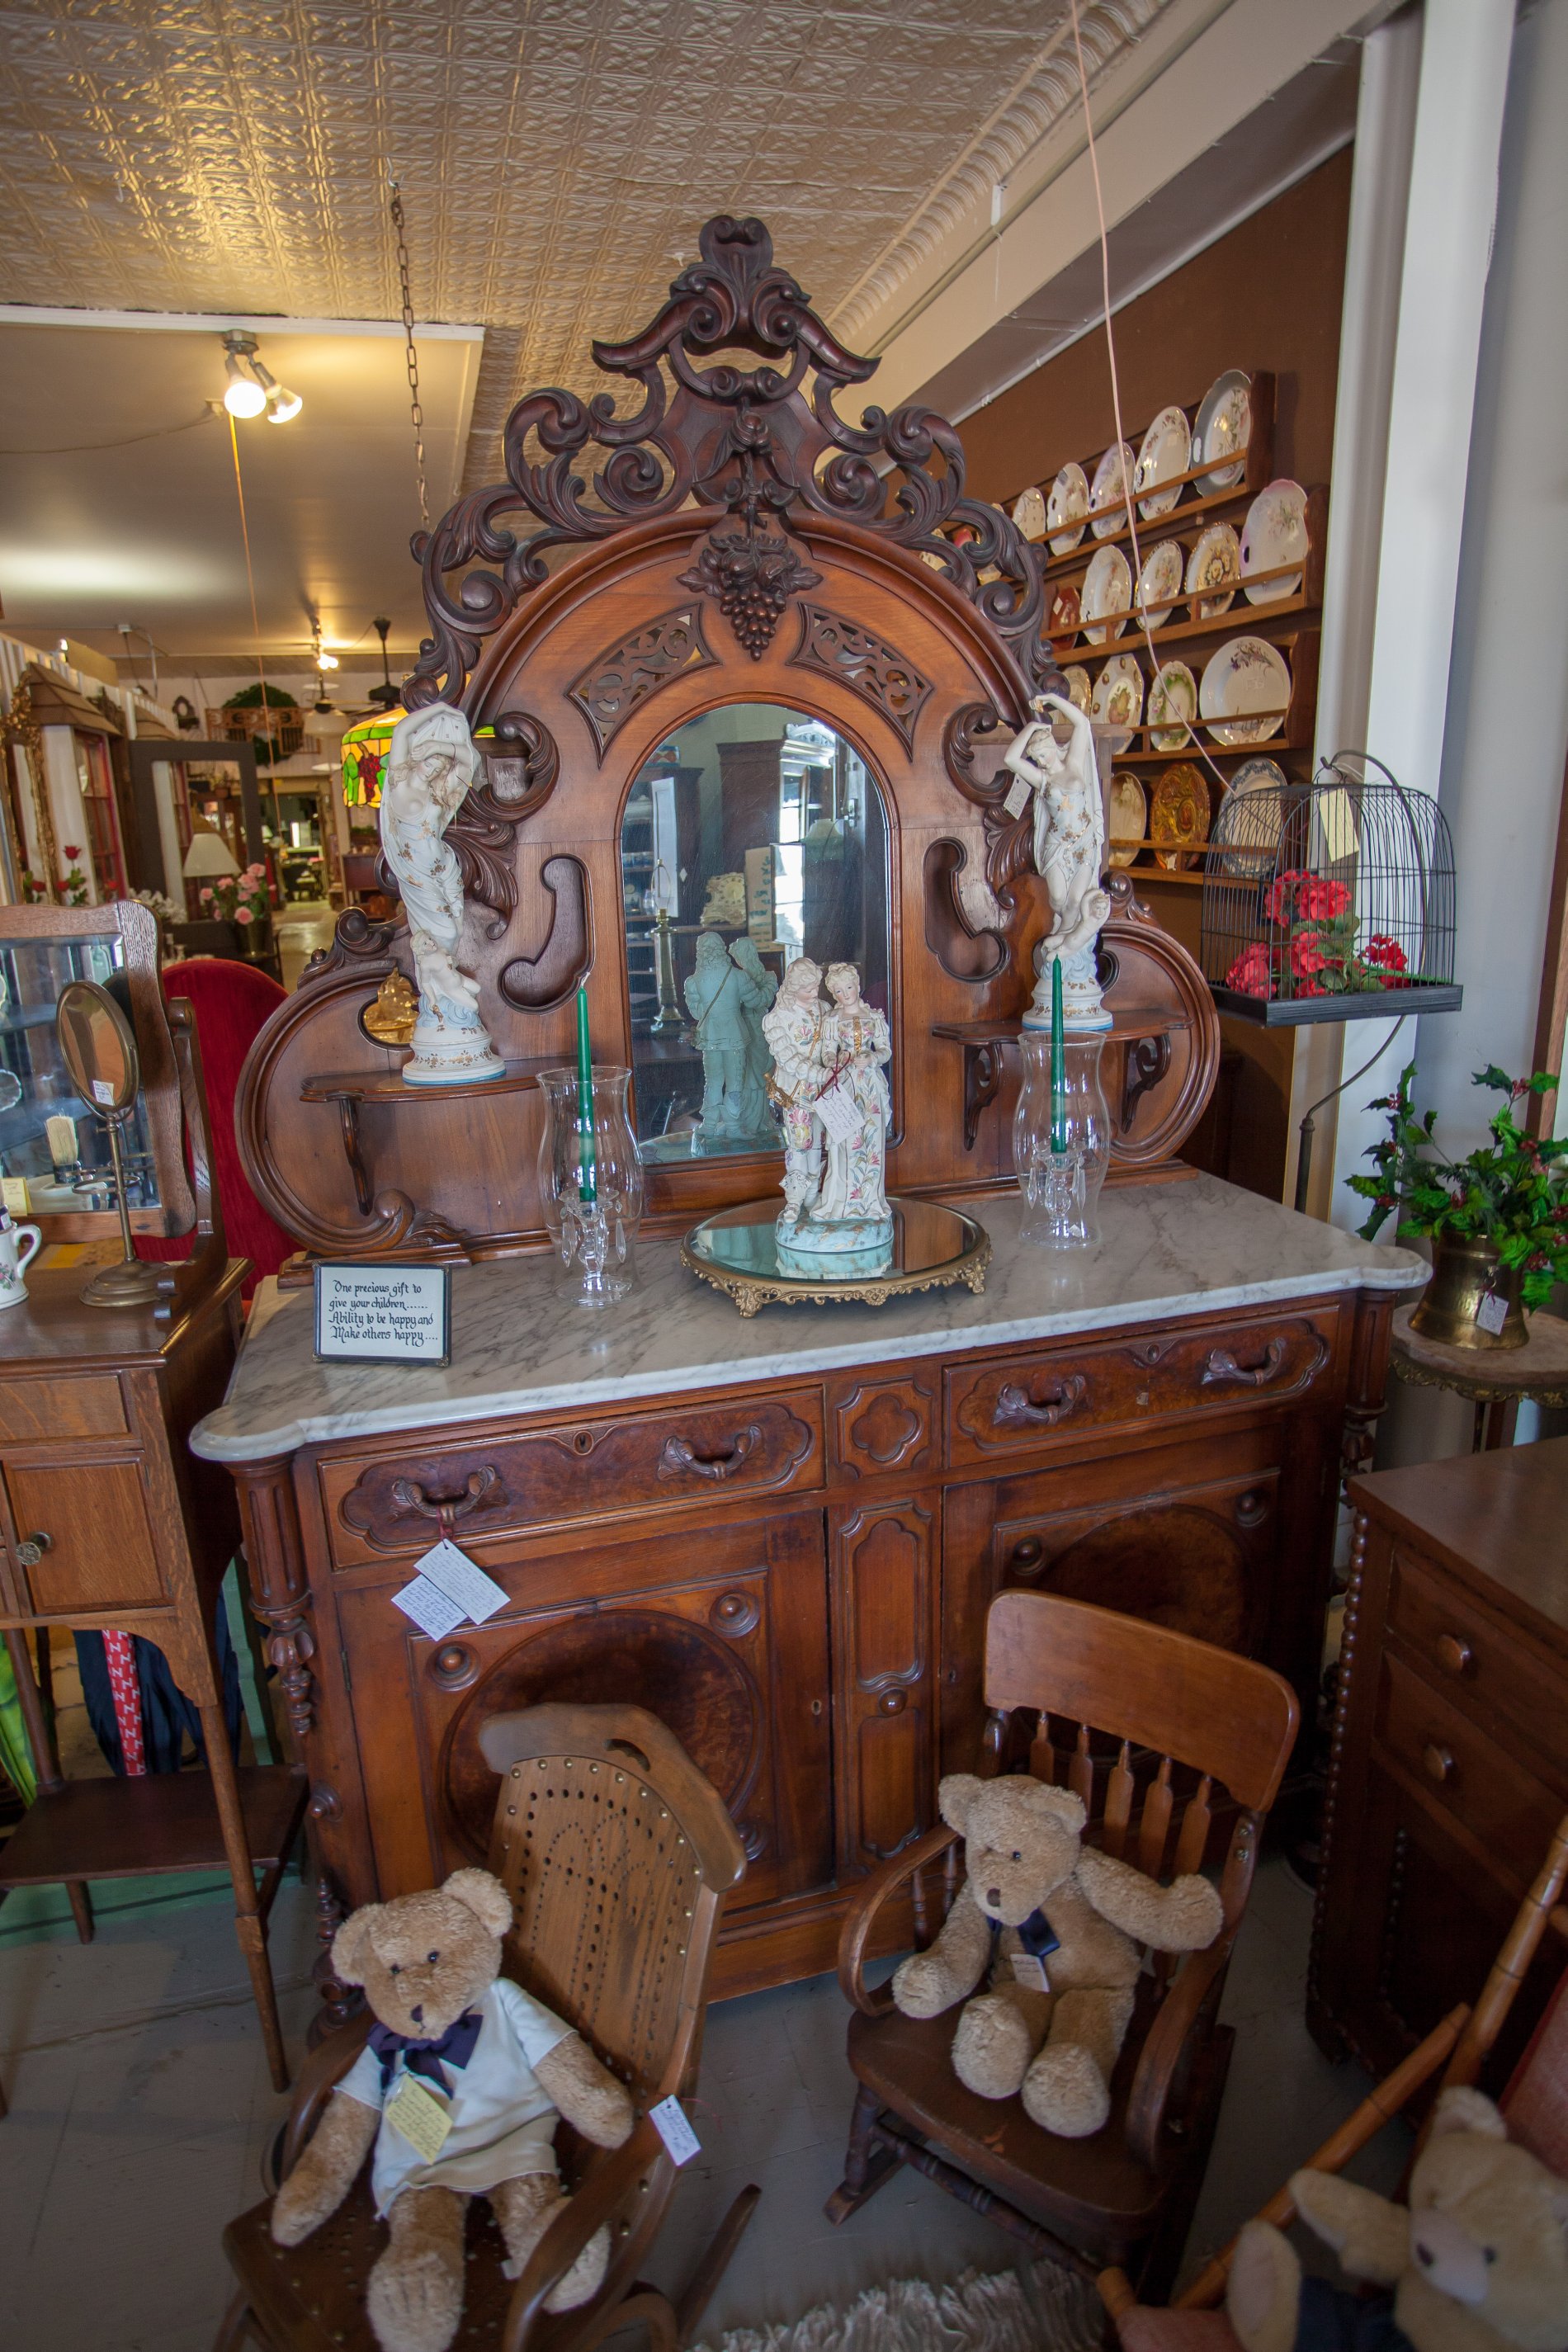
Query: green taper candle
point(586, 1185)
point(1058, 1062)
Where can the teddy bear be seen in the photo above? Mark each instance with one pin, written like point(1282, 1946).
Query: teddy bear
point(1478, 2262)
point(1050, 1922)
point(459, 2090)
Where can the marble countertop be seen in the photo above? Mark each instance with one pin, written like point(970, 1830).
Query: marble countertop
point(519, 1344)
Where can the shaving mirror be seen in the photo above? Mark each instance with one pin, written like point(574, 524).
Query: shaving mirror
point(98, 1050)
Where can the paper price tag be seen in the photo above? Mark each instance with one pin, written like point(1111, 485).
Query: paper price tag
point(419, 2116)
point(1336, 821)
point(1491, 1314)
point(478, 1596)
point(668, 2120)
point(838, 1113)
point(1030, 1969)
point(1017, 799)
point(102, 1092)
point(430, 1607)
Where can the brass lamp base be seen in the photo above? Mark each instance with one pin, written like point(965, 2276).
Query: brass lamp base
point(132, 1283)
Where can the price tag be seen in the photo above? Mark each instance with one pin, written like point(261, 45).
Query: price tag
point(467, 1586)
point(1491, 1314)
point(1017, 799)
point(668, 2120)
point(430, 1607)
point(419, 2116)
point(102, 1092)
point(838, 1112)
point(1030, 1971)
point(1336, 821)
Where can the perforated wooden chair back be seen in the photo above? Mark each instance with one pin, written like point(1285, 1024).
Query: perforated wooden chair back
point(616, 1853)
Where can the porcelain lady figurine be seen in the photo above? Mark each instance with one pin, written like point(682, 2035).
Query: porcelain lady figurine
point(1070, 853)
point(792, 1026)
point(430, 767)
point(852, 1206)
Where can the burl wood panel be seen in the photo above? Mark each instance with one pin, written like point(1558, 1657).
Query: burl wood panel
point(47, 1408)
point(100, 1553)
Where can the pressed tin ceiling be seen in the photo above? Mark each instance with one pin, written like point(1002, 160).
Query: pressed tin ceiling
point(556, 157)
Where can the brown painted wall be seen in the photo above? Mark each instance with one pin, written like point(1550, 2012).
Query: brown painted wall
point(1266, 296)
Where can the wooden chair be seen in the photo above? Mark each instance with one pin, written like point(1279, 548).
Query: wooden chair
point(1129, 1715)
point(1535, 2102)
point(618, 1854)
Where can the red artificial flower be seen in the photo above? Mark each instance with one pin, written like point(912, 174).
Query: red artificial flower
point(1251, 974)
point(1307, 956)
point(72, 854)
point(1319, 899)
point(1276, 904)
point(1384, 954)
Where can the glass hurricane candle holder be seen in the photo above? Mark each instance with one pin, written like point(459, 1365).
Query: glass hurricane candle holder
point(1062, 1141)
point(591, 1182)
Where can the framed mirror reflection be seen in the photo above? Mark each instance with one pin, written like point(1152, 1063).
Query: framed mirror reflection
point(755, 835)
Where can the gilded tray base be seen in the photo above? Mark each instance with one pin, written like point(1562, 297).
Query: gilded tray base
point(933, 1246)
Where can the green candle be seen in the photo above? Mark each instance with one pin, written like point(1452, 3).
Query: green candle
point(1058, 1062)
point(586, 1186)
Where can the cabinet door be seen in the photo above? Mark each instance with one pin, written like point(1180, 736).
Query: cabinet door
point(98, 1551)
point(722, 1634)
point(884, 1606)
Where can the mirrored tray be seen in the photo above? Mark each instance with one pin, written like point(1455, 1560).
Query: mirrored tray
point(739, 1253)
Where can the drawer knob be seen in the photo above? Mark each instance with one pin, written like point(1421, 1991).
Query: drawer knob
point(445, 1510)
point(1455, 1655)
point(31, 1548)
point(680, 1454)
point(1223, 1365)
point(1437, 1762)
point(1019, 1407)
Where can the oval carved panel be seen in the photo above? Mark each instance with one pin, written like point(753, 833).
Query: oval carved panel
point(1180, 1566)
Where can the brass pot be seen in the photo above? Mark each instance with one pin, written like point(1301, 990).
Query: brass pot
point(1463, 1273)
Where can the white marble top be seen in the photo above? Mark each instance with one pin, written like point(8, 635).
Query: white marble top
point(519, 1344)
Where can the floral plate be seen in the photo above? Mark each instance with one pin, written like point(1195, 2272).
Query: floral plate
point(1108, 497)
point(1178, 812)
point(1029, 514)
point(1118, 698)
point(1254, 818)
point(1214, 562)
point(1077, 687)
point(1127, 818)
point(1107, 588)
point(1222, 430)
point(1160, 583)
point(1245, 691)
point(1274, 534)
point(1173, 706)
point(1067, 509)
point(1166, 450)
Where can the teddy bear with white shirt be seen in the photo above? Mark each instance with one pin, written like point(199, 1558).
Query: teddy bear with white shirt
point(457, 2091)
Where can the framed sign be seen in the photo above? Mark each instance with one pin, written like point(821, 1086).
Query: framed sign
point(383, 1314)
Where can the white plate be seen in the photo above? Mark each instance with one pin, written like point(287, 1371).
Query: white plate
point(1214, 562)
point(1173, 706)
point(1118, 698)
point(1067, 509)
point(1253, 819)
point(1107, 496)
point(1247, 674)
point(1221, 431)
point(1166, 450)
point(1160, 583)
point(1126, 817)
point(1107, 588)
point(1275, 532)
point(1029, 514)
point(1079, 693)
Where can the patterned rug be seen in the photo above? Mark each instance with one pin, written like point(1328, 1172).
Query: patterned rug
point(1037, 2308)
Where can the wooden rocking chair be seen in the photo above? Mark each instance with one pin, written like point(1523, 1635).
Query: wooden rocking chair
point(1059, 1670)
point(591, 1797)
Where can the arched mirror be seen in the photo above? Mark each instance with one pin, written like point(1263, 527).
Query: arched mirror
point(755, 835)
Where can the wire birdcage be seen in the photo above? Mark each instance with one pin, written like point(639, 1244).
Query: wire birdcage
point(1329, 901)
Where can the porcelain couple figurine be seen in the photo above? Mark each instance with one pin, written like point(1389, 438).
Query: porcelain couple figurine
point(727, 997)
point(833, 1097)
point(1069, 857)
point(431, 766)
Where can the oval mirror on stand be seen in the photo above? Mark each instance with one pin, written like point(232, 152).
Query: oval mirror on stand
point(99, 1049)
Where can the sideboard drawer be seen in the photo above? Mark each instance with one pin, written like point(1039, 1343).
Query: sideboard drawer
point(577, 1470)
point(1462, 1650)
point(999, 1408)
point(45, 1408)
point(1506, 1809)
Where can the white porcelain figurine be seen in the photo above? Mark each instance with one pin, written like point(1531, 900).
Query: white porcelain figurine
point(430, 766)
point(792, 1027)
point(1070, 856)
point(827, 1075)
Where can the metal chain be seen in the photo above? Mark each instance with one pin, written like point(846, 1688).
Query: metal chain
point(415, 412)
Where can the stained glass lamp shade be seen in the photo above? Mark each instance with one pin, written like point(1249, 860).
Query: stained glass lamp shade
point(364, 751)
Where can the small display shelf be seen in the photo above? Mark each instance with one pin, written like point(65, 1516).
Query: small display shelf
point(351, 1090)
point(1144, 1032)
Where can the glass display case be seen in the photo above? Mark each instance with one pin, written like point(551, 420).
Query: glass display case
point(755, 835)
point(48, 1133)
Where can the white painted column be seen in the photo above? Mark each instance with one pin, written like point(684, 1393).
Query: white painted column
point(1465, 52)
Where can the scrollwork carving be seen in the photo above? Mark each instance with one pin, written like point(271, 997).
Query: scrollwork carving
point(867, 664)
point(625, 674)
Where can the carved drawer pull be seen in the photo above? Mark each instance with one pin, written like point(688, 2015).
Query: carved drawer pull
point(679, 1455)
point(1437, 1762)
point(1222, 1365)
point(445, 1510)
point(1455, 1654)
point(1018, 1408)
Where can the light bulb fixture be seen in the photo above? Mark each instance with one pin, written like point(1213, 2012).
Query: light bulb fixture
point(281, 404)
point(252, 387)
point(326, 661)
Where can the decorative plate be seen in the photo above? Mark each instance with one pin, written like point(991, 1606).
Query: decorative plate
point(1173, 706)
point(1222, 430)
point(1118, 698)
point(1077, 687)
point(1178, 812)
point(1253, 819)
point(1160, 583)
point(1064, 613)
point(1108, 497)
point(1029, 514)
point(1166, 450)
point(1067, 509)
point(1126, 817)
point(1107, 588)
point(1214, 562)
point(1274, 534)
point(1245, 691)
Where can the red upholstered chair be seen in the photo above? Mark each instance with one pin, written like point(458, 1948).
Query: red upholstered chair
point(230, 1003)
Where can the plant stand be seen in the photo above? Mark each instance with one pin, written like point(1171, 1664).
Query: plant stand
point(1494, 1379)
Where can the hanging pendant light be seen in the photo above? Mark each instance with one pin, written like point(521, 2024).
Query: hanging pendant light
point(253, 387)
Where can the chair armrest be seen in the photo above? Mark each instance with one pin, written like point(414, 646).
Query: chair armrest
point(619, 2172)
point(854, 1936)
point(319, 2077)
point(1164, 2044)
